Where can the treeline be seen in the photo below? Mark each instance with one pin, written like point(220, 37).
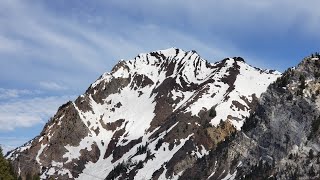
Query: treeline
point(7, 172)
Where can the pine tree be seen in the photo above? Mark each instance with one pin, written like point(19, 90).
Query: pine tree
point(36, 177)
point(5, 170)
point(312, 171)
point(302, 82)
point(311, 156)
point(29, 176)
point(212, 112)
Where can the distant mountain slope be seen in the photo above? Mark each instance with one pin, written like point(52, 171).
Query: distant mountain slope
point(150, 118)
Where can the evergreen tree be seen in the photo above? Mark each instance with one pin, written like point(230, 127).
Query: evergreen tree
point(302, 82)
point(36, 177)
point(15, 176)
point(212, 112)
point(311, 156)
point(29, 176)
point(5, 170)
point(312, 171)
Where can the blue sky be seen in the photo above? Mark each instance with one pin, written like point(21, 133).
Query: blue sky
point(51, 51)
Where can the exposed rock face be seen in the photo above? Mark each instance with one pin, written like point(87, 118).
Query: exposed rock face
point(280, 140)
point(151, 117)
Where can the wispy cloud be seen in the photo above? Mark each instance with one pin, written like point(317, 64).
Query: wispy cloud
point(28, 112)
point(42, 39)
point(232, 14)
point(52, 86)
point(52, 48)
point(16, 93)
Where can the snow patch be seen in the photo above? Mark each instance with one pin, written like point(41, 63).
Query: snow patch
point(40, 152)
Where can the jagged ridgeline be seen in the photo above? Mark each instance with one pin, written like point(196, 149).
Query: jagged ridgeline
point(157, 116)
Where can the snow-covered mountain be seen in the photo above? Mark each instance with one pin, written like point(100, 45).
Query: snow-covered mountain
point(152, 117)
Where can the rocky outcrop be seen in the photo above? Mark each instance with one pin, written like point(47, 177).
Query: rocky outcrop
point(280, 140)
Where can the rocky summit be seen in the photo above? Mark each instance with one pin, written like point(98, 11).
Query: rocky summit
point(170, 114)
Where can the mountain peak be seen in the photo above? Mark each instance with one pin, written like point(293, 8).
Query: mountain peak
point(172, 50)
point(239, 59)
point(146, 116)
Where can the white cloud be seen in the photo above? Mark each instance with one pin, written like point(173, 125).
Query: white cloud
point(16, 93)
point(28, 112)
point(52, 86)
point(240, 15)
point(45, 37)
